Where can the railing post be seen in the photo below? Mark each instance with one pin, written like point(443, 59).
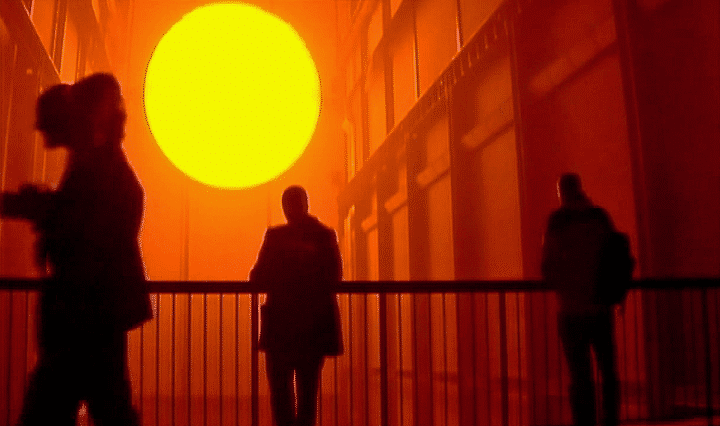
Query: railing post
point(504, 361)
point(254, 365)
point(384, 421)
point(708, 352)
point(157, 360)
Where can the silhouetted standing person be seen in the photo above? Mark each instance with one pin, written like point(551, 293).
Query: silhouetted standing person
point(97, 290)
point(572, 255)
point(300, 322)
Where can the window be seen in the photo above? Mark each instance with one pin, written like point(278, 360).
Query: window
point(377, 129)
point(437, 38)
point(473, 15)
point(402, 52)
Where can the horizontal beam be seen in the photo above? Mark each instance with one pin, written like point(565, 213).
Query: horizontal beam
point(448, 286)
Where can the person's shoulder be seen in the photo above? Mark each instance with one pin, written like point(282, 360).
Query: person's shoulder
point(274, 235)
point(601, 215)
point(273, 231)
point(557, 218)
point(321, 227)
point(597, 210)
point(557, 213)
point(325, 227)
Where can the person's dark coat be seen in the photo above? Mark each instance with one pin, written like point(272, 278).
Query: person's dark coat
point(572, 253)
point(98, 280)
point(301, 265)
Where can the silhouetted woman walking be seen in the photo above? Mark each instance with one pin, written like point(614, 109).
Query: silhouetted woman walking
point(97, 290)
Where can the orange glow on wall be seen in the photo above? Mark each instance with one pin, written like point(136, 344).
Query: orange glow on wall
point(232, 95)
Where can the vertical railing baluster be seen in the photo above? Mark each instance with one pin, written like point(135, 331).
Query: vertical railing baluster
point(366, 360)
point(547, 359)
point(189, 372)
point(623, 394)
point(708, 354)
point(717, 331)
point(237, 359)
point(429, 359)
point(337, 389)
point(383, 360)
point(561, 358)
point(677, 346)
point(205, 360)
point(694, 352)
point(673, 369)
point(532, 297)
point(9, 350)
point(220, 359)
point(172, 362)
point(457, 391)
point(254, 381)
point(473, 363)
point(443, 300)
point(7, 346)
point(27, 338)
point(142, 370)
point(416, 376)
point(157, 362)
point(657, 380)
point(401, 366)
point(504, 361)
point(487, 364)
point(519, 358)
point(638, 327)
point(352, 365)
point(350, 355)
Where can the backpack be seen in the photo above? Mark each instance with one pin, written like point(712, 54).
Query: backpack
point(616, 268)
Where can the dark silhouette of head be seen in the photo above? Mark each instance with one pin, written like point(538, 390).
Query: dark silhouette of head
point(295, 203)
point(53, 114)
point(100, 109)
point(570, 189)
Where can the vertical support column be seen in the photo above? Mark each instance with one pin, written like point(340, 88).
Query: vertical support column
point(510, 23)
point(625, 13)
point(388, 69)
point(365, 142)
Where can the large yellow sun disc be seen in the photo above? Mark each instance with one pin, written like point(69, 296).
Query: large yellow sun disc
point(232, 95)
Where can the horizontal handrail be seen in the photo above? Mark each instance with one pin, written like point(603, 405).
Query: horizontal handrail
point(385, 286)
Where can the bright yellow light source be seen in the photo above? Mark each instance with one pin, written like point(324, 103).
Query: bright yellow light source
point(232, 95)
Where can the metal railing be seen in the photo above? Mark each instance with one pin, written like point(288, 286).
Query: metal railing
point(416, 353)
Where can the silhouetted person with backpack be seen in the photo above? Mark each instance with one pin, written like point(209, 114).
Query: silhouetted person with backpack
point(300, 322)
point(97, 290)
point(575, 264)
